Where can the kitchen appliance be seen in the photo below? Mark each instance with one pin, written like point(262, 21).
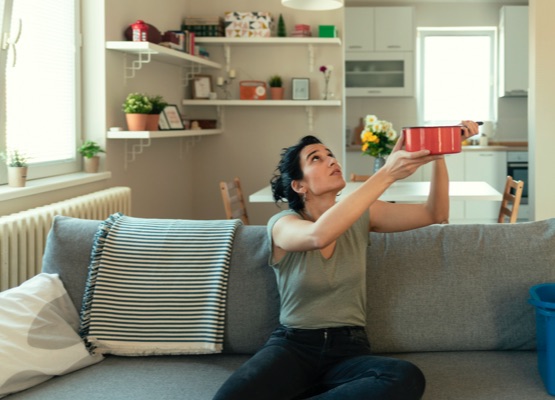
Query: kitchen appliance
point(517, 167)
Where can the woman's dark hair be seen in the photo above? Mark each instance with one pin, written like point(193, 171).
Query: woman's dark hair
point(289, 170)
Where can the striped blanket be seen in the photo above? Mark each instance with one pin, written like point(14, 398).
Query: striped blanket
point(157, 286)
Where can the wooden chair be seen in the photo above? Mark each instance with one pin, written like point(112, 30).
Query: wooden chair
point(234, 202)
point(511, 200)
point(359, 178)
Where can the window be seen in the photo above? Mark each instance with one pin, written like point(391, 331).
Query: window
point(456, 75)
point(39, 71)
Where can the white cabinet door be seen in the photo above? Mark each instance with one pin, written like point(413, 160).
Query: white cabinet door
point(394, 29)
point(513, 51)
point(359, 29)
point(491, 167)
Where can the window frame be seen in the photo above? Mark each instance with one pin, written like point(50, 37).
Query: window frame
point(424, 32)
point(52, 168)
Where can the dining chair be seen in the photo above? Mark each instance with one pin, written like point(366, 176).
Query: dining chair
point(511, 200)
point(234, 202)
point(358, 178)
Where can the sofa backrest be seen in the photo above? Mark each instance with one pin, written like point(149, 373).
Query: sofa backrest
point(457, 287)
point(439, 288)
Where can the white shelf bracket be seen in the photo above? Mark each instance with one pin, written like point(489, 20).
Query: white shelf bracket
point(310, 118)
point(137, 64)
point(220, 116)
point(186, 144)
point(227, 55)
point(310, 58)
point(131, 151)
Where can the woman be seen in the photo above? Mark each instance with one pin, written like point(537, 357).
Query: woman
point(321, 350)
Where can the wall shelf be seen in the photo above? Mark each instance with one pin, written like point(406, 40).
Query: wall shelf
point(147, 52)
point(145, 139)
point(264, 103)
point(308, 104)
point(310, 42)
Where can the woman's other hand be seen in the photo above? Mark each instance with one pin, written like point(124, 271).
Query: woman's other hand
point(469, 128)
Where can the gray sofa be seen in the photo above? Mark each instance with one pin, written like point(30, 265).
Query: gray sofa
point(450, 298)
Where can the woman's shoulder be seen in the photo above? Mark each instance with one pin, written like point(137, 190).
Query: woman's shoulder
point(281, 214)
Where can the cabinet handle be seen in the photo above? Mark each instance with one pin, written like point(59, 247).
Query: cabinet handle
point(355, 47)
point(374, 91)
point(393, 46)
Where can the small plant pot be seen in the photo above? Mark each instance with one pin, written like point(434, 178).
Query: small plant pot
point(277, 93)
point(136, 122)
point(17, 176)
point(91, 164)
point(152, 122)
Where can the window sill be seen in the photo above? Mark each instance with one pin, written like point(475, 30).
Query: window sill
point(38, 186)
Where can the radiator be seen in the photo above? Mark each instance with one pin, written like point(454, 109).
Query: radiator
point(23, 235)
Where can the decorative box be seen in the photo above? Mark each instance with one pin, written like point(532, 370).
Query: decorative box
point(329, 31)
point(247, 24)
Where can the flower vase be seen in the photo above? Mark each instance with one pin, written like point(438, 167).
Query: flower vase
point(378, 163)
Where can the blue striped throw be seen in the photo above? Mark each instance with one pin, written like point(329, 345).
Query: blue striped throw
point(157, 286)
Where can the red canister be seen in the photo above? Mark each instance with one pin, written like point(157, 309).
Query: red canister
point(140, 31)
point(437, 139)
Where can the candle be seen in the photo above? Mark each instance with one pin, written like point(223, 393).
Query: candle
point(220, 81)
point(232, 73)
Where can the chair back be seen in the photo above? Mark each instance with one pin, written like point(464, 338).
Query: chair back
point(234, 202)
point(359, 178)
point(511, 200)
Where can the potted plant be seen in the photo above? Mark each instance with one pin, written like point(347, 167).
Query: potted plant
point(17, 168)
point(158, 105)
point(137, 107)
point(276, 87)
point(89, 150)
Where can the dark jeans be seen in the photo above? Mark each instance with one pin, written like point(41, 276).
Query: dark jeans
point(332, 363)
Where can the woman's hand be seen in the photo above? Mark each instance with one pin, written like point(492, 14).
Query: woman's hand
point(469, 128)
point(401, 164)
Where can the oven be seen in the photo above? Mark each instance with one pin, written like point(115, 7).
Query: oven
point(517, 167)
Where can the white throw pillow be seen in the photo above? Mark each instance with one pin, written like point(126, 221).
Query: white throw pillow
point(38, 334)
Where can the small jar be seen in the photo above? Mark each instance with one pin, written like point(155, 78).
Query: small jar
point(483, 140)
point(140, 31)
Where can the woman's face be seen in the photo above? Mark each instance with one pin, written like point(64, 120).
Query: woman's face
point(321, 171)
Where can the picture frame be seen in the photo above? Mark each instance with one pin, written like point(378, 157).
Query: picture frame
point(163, 124)
point(173, 118)
point(300, 89)
point(202, 86)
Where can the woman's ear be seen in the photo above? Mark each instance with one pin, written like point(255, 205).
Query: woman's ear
point(298, 186)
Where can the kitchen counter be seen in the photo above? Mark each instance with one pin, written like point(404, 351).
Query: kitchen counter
point(493, 146)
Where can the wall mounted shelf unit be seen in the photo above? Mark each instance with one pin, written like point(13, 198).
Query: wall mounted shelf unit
point(145, 139)
point(310, 42)
point(308, 104)
point(146, 52)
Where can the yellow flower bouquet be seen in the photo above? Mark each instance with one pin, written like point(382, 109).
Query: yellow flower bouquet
point(378, 137)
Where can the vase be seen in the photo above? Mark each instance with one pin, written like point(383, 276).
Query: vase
point(152, 122)
point(91, 164)
point(277, 93)
point(17, 176)
point(378, 163)
point(136, 122)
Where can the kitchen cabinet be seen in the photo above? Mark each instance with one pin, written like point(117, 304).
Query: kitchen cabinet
point(513, 51)
point(379, 29)
point(379, 57)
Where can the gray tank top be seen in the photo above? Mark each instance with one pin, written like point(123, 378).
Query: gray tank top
point(317, 292)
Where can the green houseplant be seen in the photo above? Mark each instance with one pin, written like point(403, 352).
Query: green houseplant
point(89, 150)
point(137, 107)
point(17, 168)
point(276, 87)
point(158, 105)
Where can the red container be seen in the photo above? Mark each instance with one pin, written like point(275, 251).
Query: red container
point(140, 31)
point(437, 139)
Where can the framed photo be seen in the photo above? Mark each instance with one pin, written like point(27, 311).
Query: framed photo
point(202, 86)
point(300, 88)
point(163, 123)
point(172, 117)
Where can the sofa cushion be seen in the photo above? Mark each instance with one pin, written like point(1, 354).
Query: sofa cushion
point(38, 332)
point(457, 287)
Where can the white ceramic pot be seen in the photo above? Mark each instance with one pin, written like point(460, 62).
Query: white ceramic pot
point(17, 176)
